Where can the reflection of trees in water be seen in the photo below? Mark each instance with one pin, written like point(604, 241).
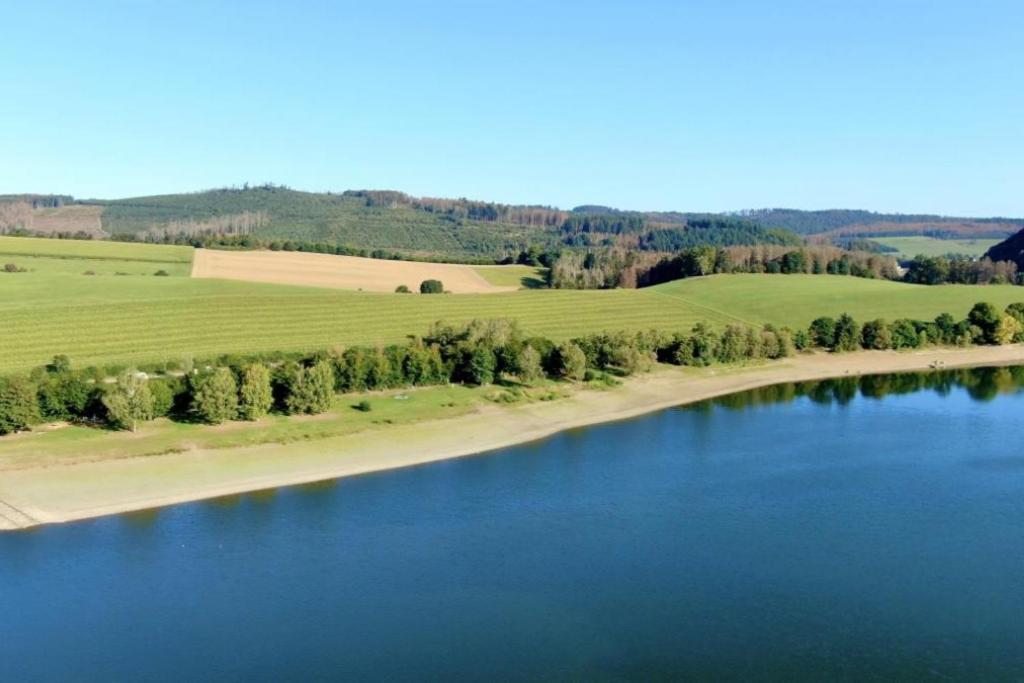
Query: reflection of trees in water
point(981, 384)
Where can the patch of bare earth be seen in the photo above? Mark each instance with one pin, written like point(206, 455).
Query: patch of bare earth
point(338, 272)
point(70, 218)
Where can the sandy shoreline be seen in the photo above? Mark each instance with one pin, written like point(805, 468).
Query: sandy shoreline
point(59, 494)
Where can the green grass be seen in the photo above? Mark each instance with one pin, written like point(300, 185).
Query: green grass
point(524, 277)
point(77, 443)
point(909, 247)
point(100, 321)
point(76, 257)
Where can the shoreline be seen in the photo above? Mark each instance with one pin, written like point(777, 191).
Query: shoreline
point(46, 495)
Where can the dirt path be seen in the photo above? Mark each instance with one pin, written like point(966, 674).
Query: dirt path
point(338, 272)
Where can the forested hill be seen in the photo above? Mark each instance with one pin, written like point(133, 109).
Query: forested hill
point(838, 223)
point(1011, 249)
point(386, 220)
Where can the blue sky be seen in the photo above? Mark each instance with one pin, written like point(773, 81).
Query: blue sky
point(717, 105)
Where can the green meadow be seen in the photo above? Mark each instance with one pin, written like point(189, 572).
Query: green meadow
point(100, 320)
point(909, 247)
point(97, 257)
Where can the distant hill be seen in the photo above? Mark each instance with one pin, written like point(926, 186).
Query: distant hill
point(834, 224)
point(1010, 249)
point(380, 219)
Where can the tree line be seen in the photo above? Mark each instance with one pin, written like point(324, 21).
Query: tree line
point(483, 352)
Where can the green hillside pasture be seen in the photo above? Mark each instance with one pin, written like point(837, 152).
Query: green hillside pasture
point(796, 300)
point(523, 277)
point(99, 321)
point(909, 247)
point(99, 257)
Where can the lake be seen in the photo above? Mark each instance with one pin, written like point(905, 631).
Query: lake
point(845, 529)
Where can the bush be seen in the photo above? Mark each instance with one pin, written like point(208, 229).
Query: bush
point(402, 289)
point(530, 369)
point(13, 268)
point(876, 335)
point(823, 332)
point(161, 273)
point(363, 406)
point(431, 287)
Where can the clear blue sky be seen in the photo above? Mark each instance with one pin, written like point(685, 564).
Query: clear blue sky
point(716, 105)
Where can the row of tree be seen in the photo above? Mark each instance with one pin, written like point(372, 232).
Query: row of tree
point(936, 270)
point(480, 353)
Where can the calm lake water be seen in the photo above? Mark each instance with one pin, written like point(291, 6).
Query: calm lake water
point(816, 532)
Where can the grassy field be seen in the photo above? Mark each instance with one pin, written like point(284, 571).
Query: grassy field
point(100, 321)
point(524, 277)
point(76, 443)
point(909, 247)
point(52, 256)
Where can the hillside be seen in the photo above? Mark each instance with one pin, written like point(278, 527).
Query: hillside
point(99, 320)
point(376, 220)
point(838, 223)
point(1010, 249)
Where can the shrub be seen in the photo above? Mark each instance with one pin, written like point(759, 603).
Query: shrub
point(402, 289)
point(363, 406)
point(64, 396)
point(847, 334)
point(13, 268)
point(431, 287)
point(161, 273)
point(986, 318)
point(163, 397)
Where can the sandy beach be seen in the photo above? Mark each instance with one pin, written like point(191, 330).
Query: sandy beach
point(29, 497)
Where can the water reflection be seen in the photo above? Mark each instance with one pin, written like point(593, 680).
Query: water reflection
point(981, 384)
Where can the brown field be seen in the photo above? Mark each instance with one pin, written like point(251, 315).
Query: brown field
point(337, 272)
point(70, 218)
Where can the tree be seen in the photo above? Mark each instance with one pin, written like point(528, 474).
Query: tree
point(129, 402)
point(19, 408)
point(215, 397)
point(847, 334)
point(480, 364)
point(312, 390)
point(823, 332)
point(530, 370)
point(986, 318)
point(572, 362)
point(1008, 330)
point(254, 394)
point(875, 335)
point(64, 395)
point(431, 287)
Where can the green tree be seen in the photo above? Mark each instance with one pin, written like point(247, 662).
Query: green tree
point(823, 332)
point(129, 402)
point(986, 318)
point(572, 362)
point(847, 334)
point(19, 408)
point(215, 396)
point(530, 370)
point(1008, 331)
point(255, 396)
point(312, 391)
point(431, 287)
point(480, 364)
point(875, 335)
